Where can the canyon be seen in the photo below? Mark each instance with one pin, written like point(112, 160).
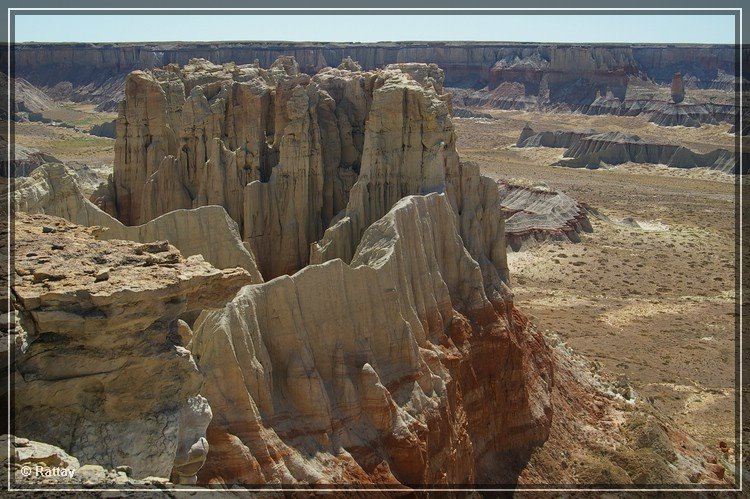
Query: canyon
point(570, 75)
point(319, 273)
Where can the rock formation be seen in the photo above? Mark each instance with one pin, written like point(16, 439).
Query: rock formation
point(382, 375)
point(27, 99)
point(538, 214)
point(462, 112)
point(615, 148)
point(281, 151)
point(689, 115)
point(100, 354)
point(677, 88)
point(24, 161)
point(206, 231)
point(385, 377)
point(555, 138)
point(104, 130)
point(37, 465)
point(96, 72)
point(349, 64)
point(386, 349)
point(590, 150)
point(274, 147)
point(665, 113)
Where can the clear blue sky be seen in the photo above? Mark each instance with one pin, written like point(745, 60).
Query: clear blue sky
point(372, 28)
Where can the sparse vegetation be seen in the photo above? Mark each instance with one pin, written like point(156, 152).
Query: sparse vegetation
point(638, 301)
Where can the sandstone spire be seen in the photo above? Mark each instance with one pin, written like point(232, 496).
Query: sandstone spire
point(677, 88)
point(283, 152)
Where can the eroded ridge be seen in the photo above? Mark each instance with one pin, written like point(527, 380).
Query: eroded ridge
point(207, 231)
point(589, 149)
point(400, 372)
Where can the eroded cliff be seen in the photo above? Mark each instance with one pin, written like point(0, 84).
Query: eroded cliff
point(392, 375)
point(565, 73)
point(100, 368)
point(283, 153)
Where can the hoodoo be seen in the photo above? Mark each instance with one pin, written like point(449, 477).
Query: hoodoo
point(289, 155)
point(677, 88)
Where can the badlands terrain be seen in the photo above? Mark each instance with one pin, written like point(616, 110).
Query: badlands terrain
point(375, 272)
point(653, 297)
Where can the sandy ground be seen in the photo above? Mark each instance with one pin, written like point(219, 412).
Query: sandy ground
point(654, 304)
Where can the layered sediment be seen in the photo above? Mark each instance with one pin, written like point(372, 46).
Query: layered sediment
point(572, 74)
point(588, 149)
point(206, 231)
point(614, 148)
point(99, 354)
point(537, 214)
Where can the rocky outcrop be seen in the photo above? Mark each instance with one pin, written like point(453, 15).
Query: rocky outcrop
point(409, 148)
point(677, 89)
point(538, 214)
point(592, 150)
point(385, 378)
point(104, 129)
point(664, 113)
point(555, 138)
point(614, 148)
point(396, 358)
point(206, 231)
point(688, 115)
point(281, 151)
point(100, 354)
point(462, 112)
point(27, 99)
point(277, 149)
point(349, 64)
point(507, 96)
point(37, 465)
point(24, 160)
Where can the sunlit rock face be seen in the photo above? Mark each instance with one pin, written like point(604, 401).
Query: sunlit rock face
point(283, 153)
point(386, 348)
point(400, 371)
point(100, 370)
